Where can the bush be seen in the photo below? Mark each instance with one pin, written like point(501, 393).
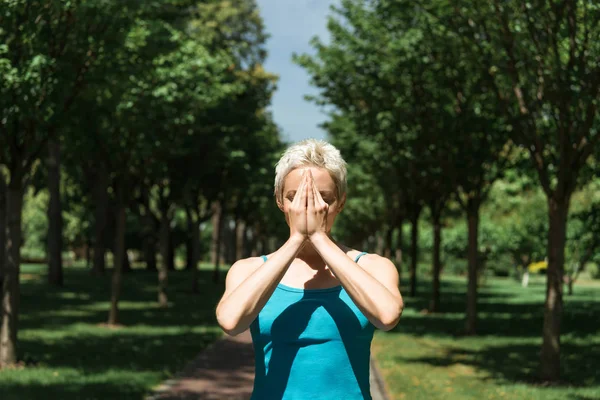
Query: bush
point(594, 270)
point(501, 265)
point(455, 266)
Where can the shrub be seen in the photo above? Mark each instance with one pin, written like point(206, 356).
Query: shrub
point(593, 270)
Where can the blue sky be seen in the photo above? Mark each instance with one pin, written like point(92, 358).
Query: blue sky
point(291, 24)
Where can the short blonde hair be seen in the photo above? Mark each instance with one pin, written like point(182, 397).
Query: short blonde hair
point(311, 152)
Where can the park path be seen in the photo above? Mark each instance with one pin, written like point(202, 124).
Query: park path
point(225, 371)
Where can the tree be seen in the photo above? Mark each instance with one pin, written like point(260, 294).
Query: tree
point(540, 60)
point(47, 51)
point(2, 226)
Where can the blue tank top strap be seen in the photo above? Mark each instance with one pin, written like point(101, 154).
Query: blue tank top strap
point(355, 260)
point(360, 255)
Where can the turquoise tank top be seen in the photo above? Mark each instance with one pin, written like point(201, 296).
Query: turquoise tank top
point(311, 344)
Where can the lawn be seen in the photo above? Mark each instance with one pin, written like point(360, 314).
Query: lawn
point(69, 355)
point(426, 357)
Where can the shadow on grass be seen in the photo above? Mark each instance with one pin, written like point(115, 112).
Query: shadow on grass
point(113, 389)
point(500, 312)
point(580, 319)
point(520, 362)
point(86, 299)
point(121, 350)
point(505, 310)
point(58, 335)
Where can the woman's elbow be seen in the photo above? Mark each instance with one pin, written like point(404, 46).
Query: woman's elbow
point(227, 324)
point(393, 318)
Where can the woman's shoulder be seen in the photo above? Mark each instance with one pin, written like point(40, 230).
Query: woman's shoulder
point(248, 262)
point(241, 269)
point(367, 259)
point(354, 253)
point(244, 266)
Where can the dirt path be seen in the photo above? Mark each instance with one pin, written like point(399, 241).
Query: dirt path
point(225, 371)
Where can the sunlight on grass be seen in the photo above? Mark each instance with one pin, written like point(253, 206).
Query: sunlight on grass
point(425, 357)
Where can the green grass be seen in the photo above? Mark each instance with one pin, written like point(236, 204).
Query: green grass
point(426, 357)
point(68, 355)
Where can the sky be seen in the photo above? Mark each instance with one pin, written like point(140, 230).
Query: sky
point(291, 25)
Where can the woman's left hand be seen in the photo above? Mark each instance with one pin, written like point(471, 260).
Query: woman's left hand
point(317, 209)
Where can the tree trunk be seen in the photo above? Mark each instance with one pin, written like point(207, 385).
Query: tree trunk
point(380, 243)
point(248, 236)
point(149, 235)
point(100, 195)
point(191, 247)
point(10, 292)
point(217, 223)
point(165, 252)
point(437, 241)
point(3, 190)
point(240, 236)
point(550, 354)
point(126, 263)
point(387, 248)
point(55, 270)
point(88, 251)
point(189, 243)
point(150, 252)
point(119, 256)
point(399, 245)
point(195, 256)
point(263, 245)
point(254, 245)
point(171, 254)
point(228, 242)
point(414, 251)
point(473, 226)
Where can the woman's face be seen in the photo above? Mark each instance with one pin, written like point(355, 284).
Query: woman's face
point(325, 185)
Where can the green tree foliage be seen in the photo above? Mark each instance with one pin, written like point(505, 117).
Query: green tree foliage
point(471, 81)
point(47, 48)
point(540, 60)
point(160, 102)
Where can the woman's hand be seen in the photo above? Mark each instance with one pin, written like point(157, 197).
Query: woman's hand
point(297, 210)
point(316, 211)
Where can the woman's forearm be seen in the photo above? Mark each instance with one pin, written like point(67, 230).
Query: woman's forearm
point(375, 301)
point(236, 312)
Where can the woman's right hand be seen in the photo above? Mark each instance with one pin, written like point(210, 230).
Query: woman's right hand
point(297, 210)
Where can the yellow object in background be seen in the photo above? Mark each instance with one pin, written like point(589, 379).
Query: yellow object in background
point(537, 267)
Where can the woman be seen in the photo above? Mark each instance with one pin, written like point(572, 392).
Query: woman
point(311, 306)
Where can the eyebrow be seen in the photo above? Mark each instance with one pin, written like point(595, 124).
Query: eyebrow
point(323, 192)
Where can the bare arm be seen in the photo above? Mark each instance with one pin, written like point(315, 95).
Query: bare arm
point(375, 292)
point(245, 295)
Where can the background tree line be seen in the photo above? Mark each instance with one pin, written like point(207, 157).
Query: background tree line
point(132, 126)
point(438, 101)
